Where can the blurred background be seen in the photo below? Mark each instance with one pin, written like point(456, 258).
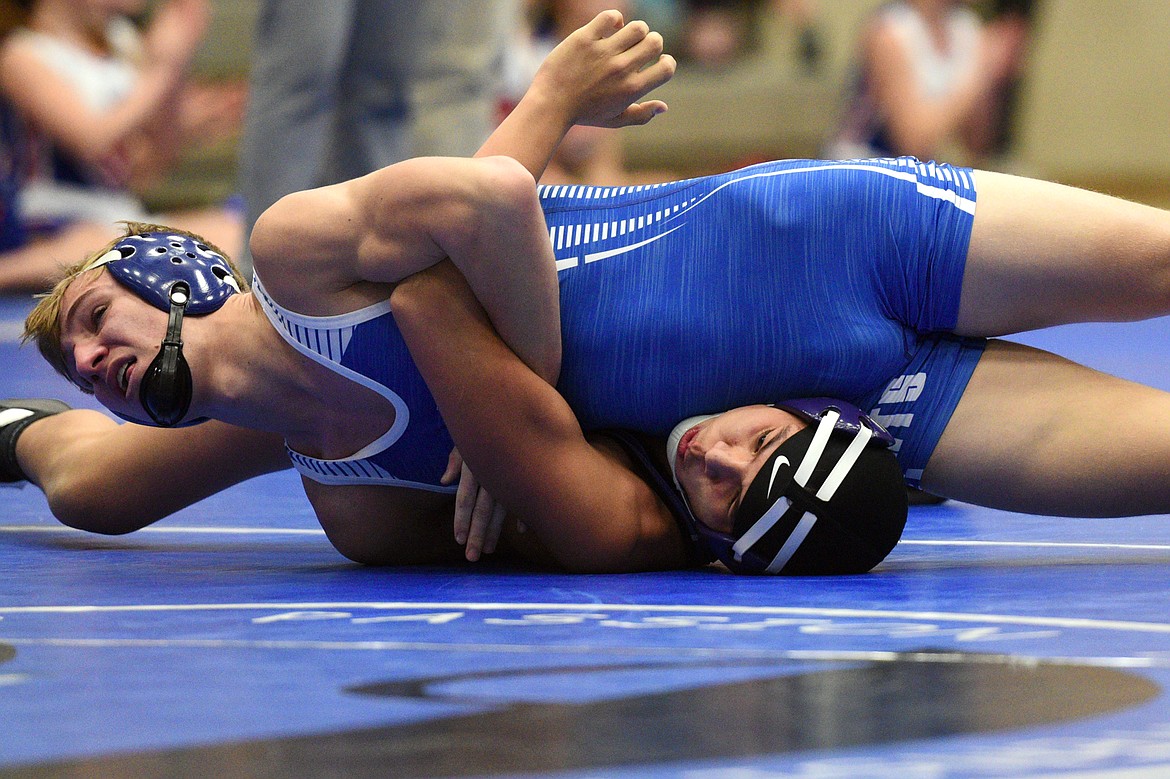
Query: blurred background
point(1085, 103)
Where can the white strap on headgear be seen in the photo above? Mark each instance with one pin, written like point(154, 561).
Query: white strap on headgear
point(110, 256)
point(826, 491)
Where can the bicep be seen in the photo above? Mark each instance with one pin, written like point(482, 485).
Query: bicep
point(372, 228)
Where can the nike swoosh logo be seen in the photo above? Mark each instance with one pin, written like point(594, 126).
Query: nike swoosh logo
point(781, 460)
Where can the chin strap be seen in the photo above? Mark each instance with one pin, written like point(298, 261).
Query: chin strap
point(166, 388)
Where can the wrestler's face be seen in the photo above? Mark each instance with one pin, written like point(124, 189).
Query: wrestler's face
point(718, 459)
point(109, 336)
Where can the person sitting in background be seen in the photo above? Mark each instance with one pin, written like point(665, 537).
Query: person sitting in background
point(28, 263)
point(928, 73)
point(109, 108)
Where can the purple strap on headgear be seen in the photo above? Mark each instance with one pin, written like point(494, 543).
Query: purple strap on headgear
point(852, 418)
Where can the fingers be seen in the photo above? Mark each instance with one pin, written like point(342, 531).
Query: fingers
point(464, 504)
point(638, 113)
point(479, 520)
point(655, 75)
point(642, 52)
point(630, 35)
point(454, 467)
point(605, 24)
point(481, 523)
point(486, 526)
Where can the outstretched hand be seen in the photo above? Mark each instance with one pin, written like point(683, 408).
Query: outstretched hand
point(600, 71)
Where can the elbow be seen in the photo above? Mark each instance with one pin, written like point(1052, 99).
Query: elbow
point(504, 191)
point(89, 510)
point(507, 177)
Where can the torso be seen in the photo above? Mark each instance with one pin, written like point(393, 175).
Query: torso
point(411, 446)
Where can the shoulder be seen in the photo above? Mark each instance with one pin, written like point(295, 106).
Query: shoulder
point(303, 248)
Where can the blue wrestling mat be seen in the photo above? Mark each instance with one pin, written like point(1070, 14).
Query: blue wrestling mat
point(230, 640)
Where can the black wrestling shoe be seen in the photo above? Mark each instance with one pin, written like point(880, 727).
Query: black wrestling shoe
point(15, 416)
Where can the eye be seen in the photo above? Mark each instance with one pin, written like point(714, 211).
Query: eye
point(97, 315)
point(761, 441)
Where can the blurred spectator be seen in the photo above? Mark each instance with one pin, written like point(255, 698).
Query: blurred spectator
point(107, 109)
point(716, 32)
point(343, 87)
point(929, 75)
point(1013, 21)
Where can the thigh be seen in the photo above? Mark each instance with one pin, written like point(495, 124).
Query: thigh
point(1043, 254)
point(1040, 434)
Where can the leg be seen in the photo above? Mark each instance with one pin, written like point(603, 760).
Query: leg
point(1039, 434)
point(299, 53)
point(1044, 254)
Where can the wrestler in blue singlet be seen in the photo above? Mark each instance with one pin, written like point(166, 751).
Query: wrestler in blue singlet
point(783, 280)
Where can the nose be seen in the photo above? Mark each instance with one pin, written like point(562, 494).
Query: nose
point(88, 356)
point(724, 463)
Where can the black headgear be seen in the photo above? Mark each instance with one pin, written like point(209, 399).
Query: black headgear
point(830, 500)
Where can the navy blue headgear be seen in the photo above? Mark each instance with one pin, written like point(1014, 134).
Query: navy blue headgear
point(830, 500)
point(177, 274)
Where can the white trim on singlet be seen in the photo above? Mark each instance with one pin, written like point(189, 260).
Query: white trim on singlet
point(921, 174)
point(331, 335)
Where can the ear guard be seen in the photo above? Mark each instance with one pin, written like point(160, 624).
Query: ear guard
point(180, 275)
point(166, 387)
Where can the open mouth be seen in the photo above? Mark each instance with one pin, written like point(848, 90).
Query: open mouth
point(124, 377)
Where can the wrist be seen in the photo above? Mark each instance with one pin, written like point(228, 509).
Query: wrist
point(549, 105)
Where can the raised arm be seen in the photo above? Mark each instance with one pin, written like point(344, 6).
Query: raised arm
point(593, 77)
point(483, 214)
point(581, 499)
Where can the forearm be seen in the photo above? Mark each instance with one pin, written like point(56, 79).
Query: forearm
point(524, 443)
point(530, 134)
point(499, 412)
point(503, 251)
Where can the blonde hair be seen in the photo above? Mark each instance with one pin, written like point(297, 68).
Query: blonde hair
point(43, 324)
